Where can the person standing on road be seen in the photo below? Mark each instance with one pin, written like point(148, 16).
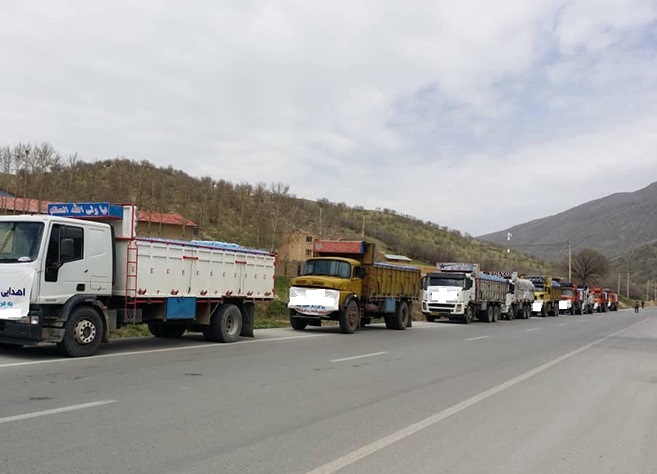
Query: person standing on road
point(642, 304)
point(636, 306)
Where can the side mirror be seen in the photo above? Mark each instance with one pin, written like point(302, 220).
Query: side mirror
point(66, 249)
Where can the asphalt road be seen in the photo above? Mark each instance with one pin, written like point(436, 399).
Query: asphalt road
point(556, 395)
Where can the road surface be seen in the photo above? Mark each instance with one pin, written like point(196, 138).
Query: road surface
point(570, 394)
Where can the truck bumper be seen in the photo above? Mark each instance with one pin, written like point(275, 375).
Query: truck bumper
point(12, 332)
point(311, 320)
point(442, 309)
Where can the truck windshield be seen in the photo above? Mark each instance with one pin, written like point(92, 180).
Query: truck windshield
point(19, 241)
point(444, 281)
point(328, 268)
point(567, 292)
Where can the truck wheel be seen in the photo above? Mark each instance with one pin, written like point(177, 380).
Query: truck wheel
point(350, 318)
point(543, 311)
point(400, 319)
point(555, 310)
point(365, 321)
point(298, 324)
point(161, 329)
point(83, 333)
point(430, 318)
point(489, 314)
point(226, 325)
point(469, 315)
point(497, 313)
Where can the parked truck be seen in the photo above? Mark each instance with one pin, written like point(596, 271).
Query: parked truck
point(612, 299)
point(571, 298)
point(74, 275)
point(461, 291)
point(343, 282)
point(519, 299)
point(599, 299)
point(547, 296)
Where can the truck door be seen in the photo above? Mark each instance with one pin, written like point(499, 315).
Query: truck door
point(64, 275)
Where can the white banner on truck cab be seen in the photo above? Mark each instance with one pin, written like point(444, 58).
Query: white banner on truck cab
point(15, 290)
point(312, 301)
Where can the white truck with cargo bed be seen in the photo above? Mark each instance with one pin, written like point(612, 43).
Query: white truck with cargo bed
point(69, 279)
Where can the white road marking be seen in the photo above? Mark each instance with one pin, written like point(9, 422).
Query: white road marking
point(532, 329)
point(477, 338)
point(154, 351)
point(359, 356)
point(55, 411)
point(562, 324)
point(410, 430)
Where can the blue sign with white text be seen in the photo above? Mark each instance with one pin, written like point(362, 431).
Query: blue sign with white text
point(87, 210)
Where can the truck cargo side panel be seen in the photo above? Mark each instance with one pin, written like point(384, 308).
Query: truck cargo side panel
point(388, 281)
point(172, 269)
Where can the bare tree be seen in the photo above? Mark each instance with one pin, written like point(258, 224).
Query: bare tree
point(590, 266)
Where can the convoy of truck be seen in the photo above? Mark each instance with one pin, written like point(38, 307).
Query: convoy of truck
point(80, 271)
point(72, 275)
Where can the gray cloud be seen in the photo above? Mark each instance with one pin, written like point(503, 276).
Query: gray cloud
point(471, 115)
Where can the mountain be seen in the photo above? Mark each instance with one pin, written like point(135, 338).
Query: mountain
point(614, 225)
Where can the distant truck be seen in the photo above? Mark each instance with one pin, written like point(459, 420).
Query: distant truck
point(343, 282)
point(460, 291)
point(571, 299)
point(71, 279)
point(547, 296)
point(599, 299)
point(519, 299)
point(612, 299)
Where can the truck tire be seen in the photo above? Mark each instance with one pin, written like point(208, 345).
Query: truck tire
point(162, 329)
point(350, 318)
point(528, 312)
point(430, 318)
point(469, 315)
point(497, 313)
point(555, 309)
point(83, 333)
point(544, 311)
point(490, 310)
point(298, 324)
point(400, 320)
point(226, 325)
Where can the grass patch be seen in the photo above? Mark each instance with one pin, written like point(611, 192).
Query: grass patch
point(131, 330)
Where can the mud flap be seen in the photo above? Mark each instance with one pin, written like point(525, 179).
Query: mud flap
point(248, 320)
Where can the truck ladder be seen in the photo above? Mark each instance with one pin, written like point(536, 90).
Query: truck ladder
point(130, 305)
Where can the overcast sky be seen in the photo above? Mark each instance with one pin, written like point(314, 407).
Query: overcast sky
point(473, 114)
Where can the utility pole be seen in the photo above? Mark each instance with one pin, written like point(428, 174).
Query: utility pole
point(570, 262)
point(628, 283)
point(362, 231)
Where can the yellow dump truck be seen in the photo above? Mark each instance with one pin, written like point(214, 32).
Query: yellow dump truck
point(547, 293)
point(342, 282)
